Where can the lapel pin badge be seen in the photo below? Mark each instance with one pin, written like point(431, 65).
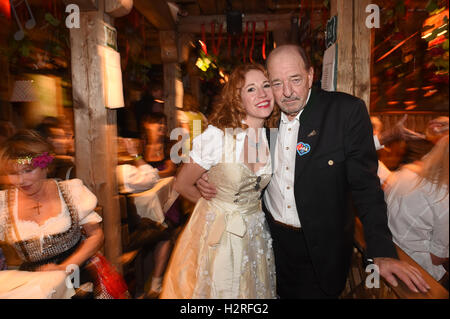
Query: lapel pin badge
point(313, 132)
point(303, 148)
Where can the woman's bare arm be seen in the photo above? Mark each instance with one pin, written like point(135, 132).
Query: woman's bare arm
point(186, 179)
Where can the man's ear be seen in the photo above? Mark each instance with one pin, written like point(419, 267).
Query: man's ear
point(310, 76)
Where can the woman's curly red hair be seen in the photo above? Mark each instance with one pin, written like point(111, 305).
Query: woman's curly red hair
point(229, 112)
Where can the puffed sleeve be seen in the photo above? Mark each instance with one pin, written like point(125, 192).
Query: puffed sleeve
point(207, 147)
point(84, 200)
point(3, 212)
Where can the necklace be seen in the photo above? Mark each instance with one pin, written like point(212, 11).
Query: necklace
point(38, 200)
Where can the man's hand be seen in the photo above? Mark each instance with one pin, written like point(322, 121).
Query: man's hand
point(399, 132)
point(391, 268)
point(207, 190)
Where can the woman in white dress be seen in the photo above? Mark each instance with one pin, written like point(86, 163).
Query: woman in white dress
point(225, 250)
point(44, 221)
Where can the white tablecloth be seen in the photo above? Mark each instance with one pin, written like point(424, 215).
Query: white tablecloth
point(15, 284)
point(155, 202)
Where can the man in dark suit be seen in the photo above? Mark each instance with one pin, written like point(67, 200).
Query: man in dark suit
point(324, 159)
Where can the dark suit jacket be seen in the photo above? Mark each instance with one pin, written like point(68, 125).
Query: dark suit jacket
point(339, 171)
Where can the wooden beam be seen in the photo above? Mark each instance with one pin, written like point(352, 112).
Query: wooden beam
point(353, 45)
point(171, 71)
point(362, 52)
point(118, 8)
point(157, 12)
point(84, 5)
point(168, 43)
point(295, 5)
point(192, 24)
point(95, 126)
point(345, 77)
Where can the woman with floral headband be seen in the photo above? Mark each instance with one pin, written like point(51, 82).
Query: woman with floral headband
point(50, 224)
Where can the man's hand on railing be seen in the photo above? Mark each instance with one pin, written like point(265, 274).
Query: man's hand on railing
point(391, 268)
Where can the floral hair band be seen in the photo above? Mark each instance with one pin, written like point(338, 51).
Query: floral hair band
point(42, 160)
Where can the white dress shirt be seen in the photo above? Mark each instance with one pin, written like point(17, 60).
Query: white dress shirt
point(279, 196)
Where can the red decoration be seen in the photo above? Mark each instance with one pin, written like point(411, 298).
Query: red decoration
point(5, 8)
point(203, 43)
point(264, 40)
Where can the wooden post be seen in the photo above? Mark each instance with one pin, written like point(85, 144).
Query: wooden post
point(95, 126)
point(362, 52)
point(345, 77)
point(169, 57)
point(353, 48)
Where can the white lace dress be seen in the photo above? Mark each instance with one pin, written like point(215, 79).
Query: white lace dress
point(225, 250)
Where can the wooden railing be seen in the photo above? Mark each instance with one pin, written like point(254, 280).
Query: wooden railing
point(388, 291)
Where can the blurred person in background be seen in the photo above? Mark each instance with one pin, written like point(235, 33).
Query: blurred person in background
point(190, 118)
point(133, 173)
point(151, 102)
point(49, 224)
point(52, 129)
point(157, 154)
point(416, 149)
point(156, 144)
point(7, 129)
point(384, 137)
point(418, 210)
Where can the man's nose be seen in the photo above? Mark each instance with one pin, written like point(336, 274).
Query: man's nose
point(287, 89)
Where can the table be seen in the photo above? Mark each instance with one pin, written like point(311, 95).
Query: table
point(155, 202)
point(15, 284)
